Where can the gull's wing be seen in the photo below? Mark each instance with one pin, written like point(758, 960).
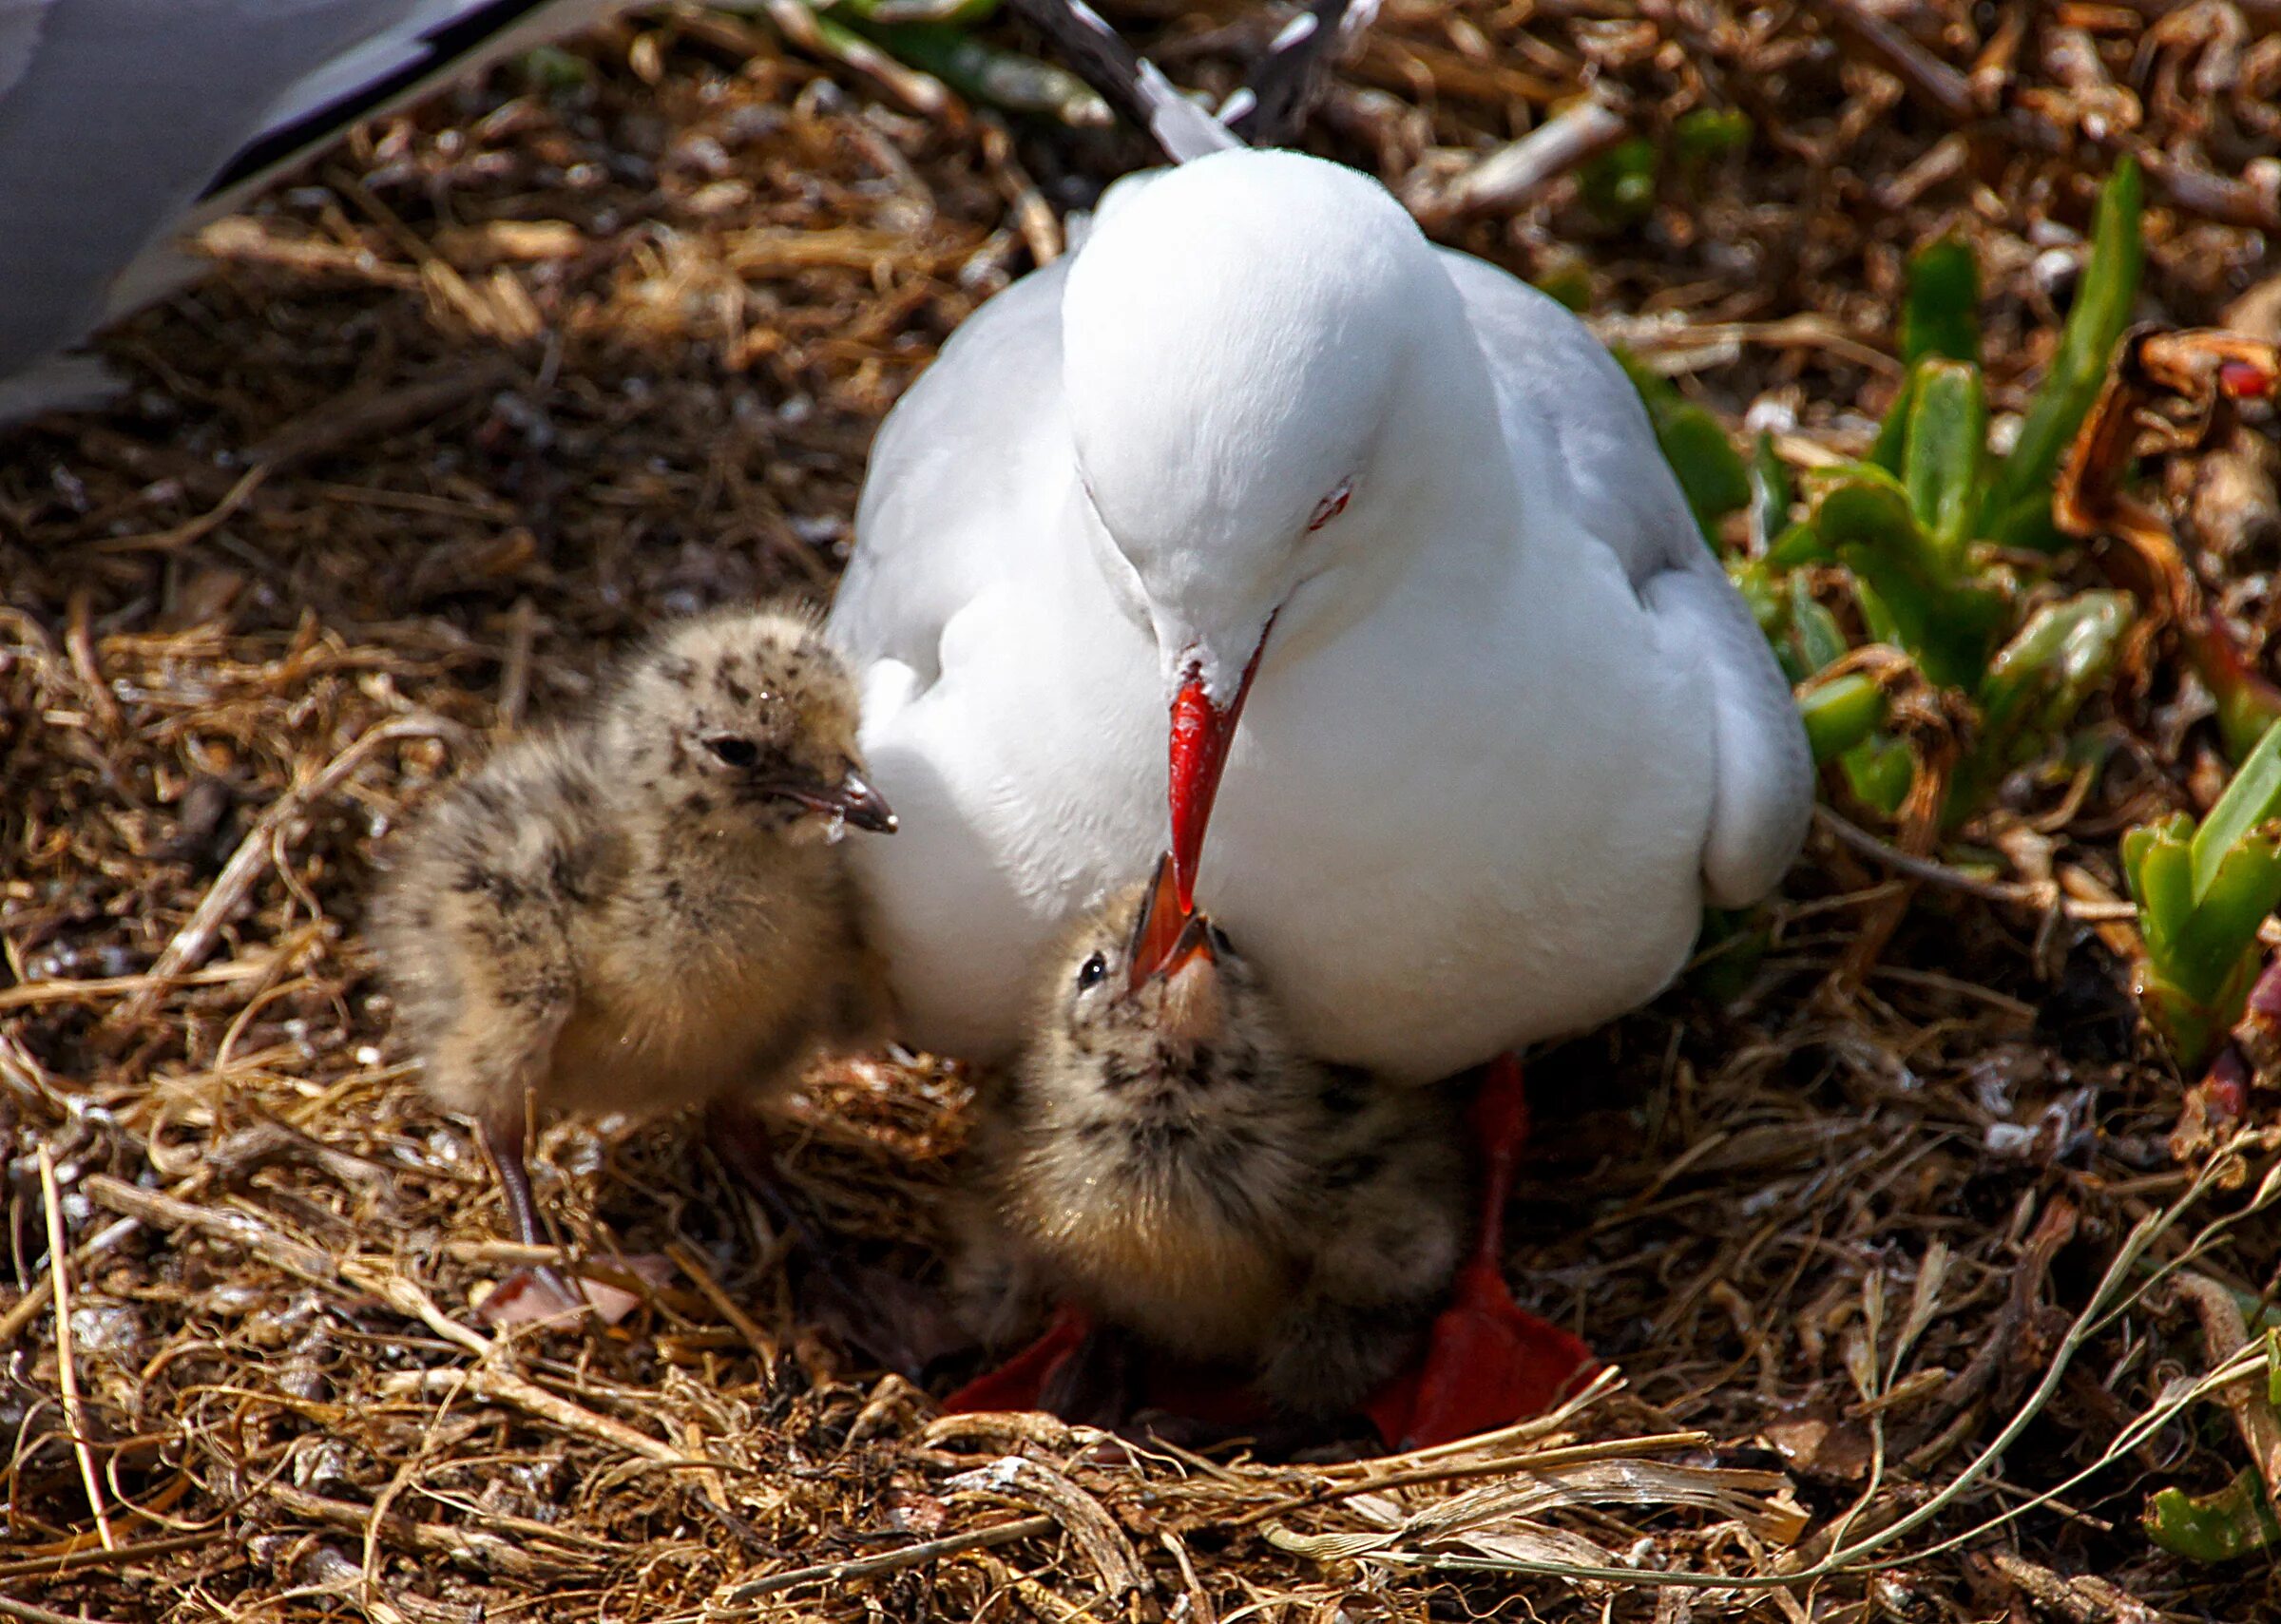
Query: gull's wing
point(970, 445)
point(124, 122)
point(1561, 390)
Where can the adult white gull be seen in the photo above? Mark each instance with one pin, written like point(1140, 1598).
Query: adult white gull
point(1258, 448)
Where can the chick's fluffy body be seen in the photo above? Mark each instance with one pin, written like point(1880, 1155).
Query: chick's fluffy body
point(612, 917)
point(1167, 1159)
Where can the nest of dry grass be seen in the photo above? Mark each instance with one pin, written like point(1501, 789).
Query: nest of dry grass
point(1897, 1266)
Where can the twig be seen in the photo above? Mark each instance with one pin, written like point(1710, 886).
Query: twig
point(1033, 215)
point(197, 937)
point(886, 1561)
point(921, 93)
point(490, 1378)
point(1608, 1379)
point(66, 1376)
point(68, 1561)
point(2042, 897)
point(64, 989)
point(503, 1544)
point(27, 1307)
point(11, 1608)
point(1927, 75)
point(1504, 1465)
point(1088, 1522)
point(690, 1264)
point(194, 529)
point(162, 1212)
point(1511, 175)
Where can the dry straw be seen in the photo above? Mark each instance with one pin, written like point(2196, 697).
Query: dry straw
point(1911, 1304)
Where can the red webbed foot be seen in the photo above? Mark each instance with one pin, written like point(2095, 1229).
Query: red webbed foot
point(1488, 1362)
point(1020, 1383)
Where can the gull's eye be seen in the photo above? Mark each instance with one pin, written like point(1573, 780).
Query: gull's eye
point(1092, 972)
point(1331, 505)
point(731, 750)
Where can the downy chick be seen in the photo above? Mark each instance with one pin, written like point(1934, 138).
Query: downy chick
point(1165, 1159)
point(645, 909)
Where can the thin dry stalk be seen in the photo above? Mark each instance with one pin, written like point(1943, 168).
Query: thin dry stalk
point(66, 1368)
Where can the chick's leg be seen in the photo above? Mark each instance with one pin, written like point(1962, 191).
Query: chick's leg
point(1488, 1361)
point(504, 1147)
point(541, 1292)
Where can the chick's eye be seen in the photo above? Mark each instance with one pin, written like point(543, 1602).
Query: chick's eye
point(1092, 972)
point(1331, 505)
point(731, 751)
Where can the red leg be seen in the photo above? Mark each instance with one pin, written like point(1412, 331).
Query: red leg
point(1488, 1362)
point(1020, 1383)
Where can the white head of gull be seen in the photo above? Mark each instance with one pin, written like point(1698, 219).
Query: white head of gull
point(1272, 386)
point(1260, 480)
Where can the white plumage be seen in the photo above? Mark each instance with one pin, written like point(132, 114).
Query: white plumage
point(1511, 726)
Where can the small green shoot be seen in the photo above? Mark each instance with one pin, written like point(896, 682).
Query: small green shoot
point(2202, 897)
point(2016, 511)
point(1711, 472)
point(2235, 1522)
point(1620, 184)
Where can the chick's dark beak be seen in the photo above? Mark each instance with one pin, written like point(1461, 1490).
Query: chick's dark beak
point(862, 805)
point(851, 798)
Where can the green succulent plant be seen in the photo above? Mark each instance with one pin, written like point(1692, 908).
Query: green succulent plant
point(2203, 893)
point(1927, 531)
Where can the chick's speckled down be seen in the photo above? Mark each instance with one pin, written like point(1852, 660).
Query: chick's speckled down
point(1165, 1157)
point(646, 909)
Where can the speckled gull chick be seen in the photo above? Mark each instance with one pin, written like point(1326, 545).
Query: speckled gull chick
point(1258, 449)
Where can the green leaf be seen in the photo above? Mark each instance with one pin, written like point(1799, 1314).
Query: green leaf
point(1841, 713)
point(2040, 679)
point(2103, 310)
point(1800, 544)
point(2159, 864)
point(1760, 584)
point(1620, 184)
point(548, 69)
point(1728, 953)
point(1820, 643)
point(2232, 1522)
point(1948, 436)
point(1879, 771)
point(1709, 133)
point(1771, 494)
point(1711, 472)
point(2273, 1361)
point(1942, 314)
point(1948, 627)
point(2036, 684)
point(1567, 280)
point(1892, 434)
point(2219, 944)
point(986, 72)
point(2254, 798)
